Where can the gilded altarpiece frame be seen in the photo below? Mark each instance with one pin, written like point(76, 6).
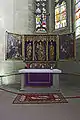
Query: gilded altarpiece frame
point(40, 50)
point(40, 47)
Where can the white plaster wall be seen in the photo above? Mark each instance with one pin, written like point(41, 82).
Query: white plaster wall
point(31, 16)
point(20, 16)
point(6, 23)
point(15, 17)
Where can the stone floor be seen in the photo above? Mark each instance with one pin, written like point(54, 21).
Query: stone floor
point(69, 85)
point(9, 111)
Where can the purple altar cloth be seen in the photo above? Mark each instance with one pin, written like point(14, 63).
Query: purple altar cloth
point(38, 79)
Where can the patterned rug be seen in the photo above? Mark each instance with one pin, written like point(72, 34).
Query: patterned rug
point(39, 98)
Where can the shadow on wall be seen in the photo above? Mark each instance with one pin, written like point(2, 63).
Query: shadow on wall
point(10, 67)
point(69, 66)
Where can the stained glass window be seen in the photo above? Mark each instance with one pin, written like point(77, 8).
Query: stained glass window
point(41, 16)
point(60, 14)
point(77, 18)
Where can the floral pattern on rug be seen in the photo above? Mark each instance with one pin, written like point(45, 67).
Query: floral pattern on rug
point(40, 98)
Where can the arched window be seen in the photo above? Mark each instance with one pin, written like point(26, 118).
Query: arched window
point(60, 14)
point(41, 16)
point(77, 18)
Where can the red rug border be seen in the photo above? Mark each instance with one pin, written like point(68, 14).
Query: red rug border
point(46, 102)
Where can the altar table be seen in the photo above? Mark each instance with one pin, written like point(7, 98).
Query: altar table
point(39, 78)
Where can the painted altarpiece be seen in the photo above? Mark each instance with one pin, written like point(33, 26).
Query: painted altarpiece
point(40, 51)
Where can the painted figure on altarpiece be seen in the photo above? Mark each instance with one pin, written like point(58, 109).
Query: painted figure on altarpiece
point(14, 46)
point(66, 46)
point(28, 50)
point(52, 50)
point(40, 51)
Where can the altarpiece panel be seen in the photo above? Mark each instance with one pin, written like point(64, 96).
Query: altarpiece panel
point(14, 46)
point(67, 46)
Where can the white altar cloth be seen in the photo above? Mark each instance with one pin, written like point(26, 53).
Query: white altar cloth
point(40, 71)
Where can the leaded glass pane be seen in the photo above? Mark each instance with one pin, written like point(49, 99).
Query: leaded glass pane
point(41, 16)
point(60, 14)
